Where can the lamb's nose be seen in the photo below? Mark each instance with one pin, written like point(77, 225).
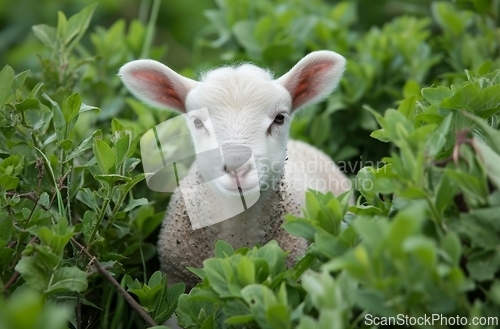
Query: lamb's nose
point(236, 159)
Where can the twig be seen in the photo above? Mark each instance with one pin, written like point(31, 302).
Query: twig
point(30, 196)
point(15, 275)
point(115, 283)
point(41, 171)
point(11, 281)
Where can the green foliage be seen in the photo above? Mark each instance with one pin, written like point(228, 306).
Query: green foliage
point(27, 310)
point(385, 63)
point(154, 297)
point(420, 94)
point(63, 178)
point(421, 239)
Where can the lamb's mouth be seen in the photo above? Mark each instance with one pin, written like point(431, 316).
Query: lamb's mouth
point(237, 187)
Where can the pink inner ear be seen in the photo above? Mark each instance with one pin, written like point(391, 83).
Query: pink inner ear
point(160, 88)
point(309, 82)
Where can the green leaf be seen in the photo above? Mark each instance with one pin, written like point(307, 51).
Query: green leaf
point(28, 104)
point(61, 24)
point(6, 79)
point(84, 145)
point(144, 113)
point(411, 88)
point(243, 32)
point(423, 248)
point(398, 126)
point(490, 99)
point(58, 117)
point(380, 119)
point(35, 275)
point(135, 203)
point(239, 319)
point(246, 271)
point(260, 298)
point(71, 107)
point(408, 106)
point(380, 135)
point(364, 182)
point(452, 246)
point(490, 159)
point(87, 108)
point(435, 95)
point(104, 155)
point(483, 265)
point(437, 139)
point(480, 227)
point(68, 278)
point(490, 135)
point(272, 253)
point(36, 89)
point(89, 221)
point(278, 316)
point(429, 118)
point(320, 129)
point(46, 34)
point(223, 249)
point(8, 182)
point(173, 294)
point(465, 98)
point(221, 276)
point(122, 148)
point(472, 186)
point(56, 237)
point(299, 227)
point(449, 18)
point(78, 24)
point(6, 229)
point(444, 194)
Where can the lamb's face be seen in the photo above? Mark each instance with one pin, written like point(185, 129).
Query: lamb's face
point(249, 113)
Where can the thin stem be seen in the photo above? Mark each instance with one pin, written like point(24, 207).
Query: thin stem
point(117, 207)
point(149, 320)
point(101, 214)
point(143, 264)
point(148, 40)
point(143, 11)
point(62, 210)
point(15, 276)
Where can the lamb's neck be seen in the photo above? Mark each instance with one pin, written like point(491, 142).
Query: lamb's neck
point(254, 224)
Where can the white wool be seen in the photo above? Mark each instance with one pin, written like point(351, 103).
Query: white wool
point(248, 107)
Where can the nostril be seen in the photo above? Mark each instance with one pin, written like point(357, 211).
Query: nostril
point(225, 168)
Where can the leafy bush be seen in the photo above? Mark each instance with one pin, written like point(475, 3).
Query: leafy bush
point(383, 62)
point(422, 238)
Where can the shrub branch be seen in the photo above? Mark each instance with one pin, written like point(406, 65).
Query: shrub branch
point(93, 260)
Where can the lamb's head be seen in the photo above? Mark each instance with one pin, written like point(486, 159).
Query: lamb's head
point(247, 110)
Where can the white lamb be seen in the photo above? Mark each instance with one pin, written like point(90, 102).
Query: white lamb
point(247, 107)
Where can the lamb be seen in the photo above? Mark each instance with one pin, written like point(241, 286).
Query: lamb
point(246, 108)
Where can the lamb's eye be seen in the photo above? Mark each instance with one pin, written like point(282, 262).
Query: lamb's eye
point(279, 119)
point(198, 123)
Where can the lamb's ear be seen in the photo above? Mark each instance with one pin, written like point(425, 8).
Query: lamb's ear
point(313, 78)
point(156, 84)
